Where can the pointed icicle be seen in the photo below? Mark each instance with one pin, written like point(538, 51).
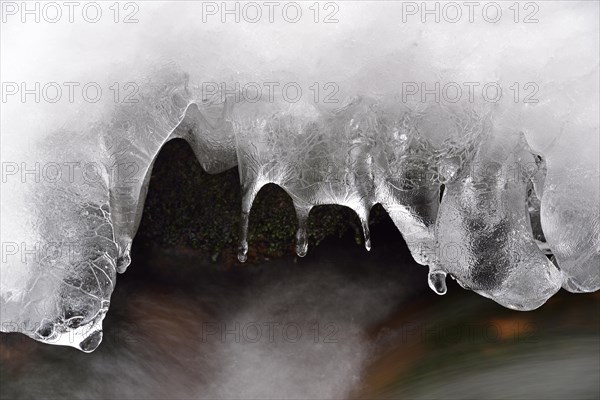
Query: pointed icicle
point(363, 215)
point(243, 247)
point(249, 191)
point(302, 233)
point(367, 235)
point(301, 242)
point(437, 281)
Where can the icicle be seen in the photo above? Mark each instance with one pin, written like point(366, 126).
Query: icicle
point(249, 191)
point(243, 247)
point(363, 215)
point(302, 234)
point(367, 235)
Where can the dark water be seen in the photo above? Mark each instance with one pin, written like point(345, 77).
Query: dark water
point(341, 323)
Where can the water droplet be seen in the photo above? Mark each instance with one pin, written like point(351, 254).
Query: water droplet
point(91, 342)
point(437, 281)
point(301, 242)
point(302, 234)
point(123, 261)
point(243, 252)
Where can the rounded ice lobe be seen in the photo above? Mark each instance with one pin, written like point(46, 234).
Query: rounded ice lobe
point(483, 231)
point(570, 218)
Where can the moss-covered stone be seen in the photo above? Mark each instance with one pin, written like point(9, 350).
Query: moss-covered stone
point(189, 208)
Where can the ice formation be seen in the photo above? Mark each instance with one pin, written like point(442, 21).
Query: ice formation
point(360, 111)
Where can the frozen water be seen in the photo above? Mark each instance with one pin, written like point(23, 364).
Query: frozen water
point(459, 177)
point(486, 204)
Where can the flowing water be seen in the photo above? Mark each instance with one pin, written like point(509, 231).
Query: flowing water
point(340, 323)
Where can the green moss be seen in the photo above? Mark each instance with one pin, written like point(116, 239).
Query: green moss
point(189, 208)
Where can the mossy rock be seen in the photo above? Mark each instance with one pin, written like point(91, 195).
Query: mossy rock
point(191, 209)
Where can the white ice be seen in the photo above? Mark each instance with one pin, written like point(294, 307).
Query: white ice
point(75, 173)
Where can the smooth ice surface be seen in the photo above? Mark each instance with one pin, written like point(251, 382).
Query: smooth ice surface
point(74, 173)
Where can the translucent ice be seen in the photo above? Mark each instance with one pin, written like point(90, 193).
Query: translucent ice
point(483, 230)
point(479, 137)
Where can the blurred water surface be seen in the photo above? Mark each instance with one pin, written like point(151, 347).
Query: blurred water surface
point(341, 323)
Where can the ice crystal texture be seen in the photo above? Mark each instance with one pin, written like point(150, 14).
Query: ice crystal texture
point(482, 190)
